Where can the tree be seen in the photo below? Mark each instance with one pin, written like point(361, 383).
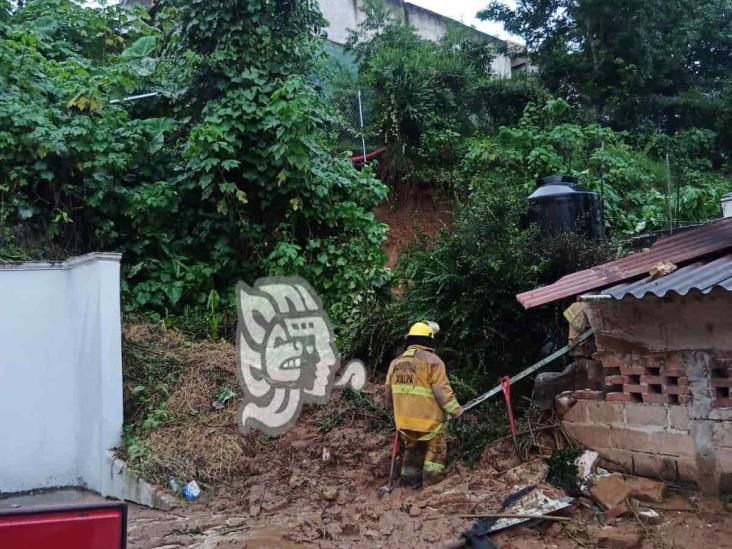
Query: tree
point(225, 174)
point(633, 62)
point(424, 94)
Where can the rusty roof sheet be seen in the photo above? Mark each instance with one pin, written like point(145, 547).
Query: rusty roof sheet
point(678, 249)
point(700, 275)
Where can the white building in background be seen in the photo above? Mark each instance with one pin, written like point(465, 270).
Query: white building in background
point(345, 15)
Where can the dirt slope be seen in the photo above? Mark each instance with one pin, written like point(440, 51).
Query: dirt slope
point(411, 220)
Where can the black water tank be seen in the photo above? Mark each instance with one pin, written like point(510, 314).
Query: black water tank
point(558, 204)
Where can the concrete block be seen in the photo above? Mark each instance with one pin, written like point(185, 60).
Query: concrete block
point(722, 434)
point(720, 414)
point(649, 465)
point(591, 436)
point(687, 469)
point(576, 414)
point(674, 444)
point(645, 415)
point(659, 442)
point(615, 457)
point(605, 413)
point(645, 489)
point(724, 460)
point(629, 439)
point(678, 418)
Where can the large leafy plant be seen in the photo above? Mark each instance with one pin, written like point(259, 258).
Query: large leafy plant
point(223, 173)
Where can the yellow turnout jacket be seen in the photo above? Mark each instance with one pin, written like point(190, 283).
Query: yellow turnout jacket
point(420, 391)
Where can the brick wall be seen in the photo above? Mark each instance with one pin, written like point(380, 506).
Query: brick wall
point(653, 378)
point(667, 405)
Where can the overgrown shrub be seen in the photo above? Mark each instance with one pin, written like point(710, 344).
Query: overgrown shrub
point(226, 174)
point(423, 94)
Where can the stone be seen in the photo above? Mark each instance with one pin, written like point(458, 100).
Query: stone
point(300, 444)
point(329, 493)
point(609, 490)
point(619, 538)
point(645, 489)
point(554, 530)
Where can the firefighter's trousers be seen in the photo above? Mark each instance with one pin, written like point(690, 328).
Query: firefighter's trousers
point(425, 455)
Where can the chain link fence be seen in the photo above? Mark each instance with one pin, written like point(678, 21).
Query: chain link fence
point(350, 105)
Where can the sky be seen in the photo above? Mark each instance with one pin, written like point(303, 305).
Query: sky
point(464, 11)
point(460, 10)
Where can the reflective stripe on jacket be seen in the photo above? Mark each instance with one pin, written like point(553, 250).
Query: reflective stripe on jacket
point(420, 391)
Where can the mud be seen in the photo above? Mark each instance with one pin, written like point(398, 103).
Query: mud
point(295, 498)
point(408, 222)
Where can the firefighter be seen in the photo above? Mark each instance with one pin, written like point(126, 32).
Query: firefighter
point(576, 316)
point(422, 399)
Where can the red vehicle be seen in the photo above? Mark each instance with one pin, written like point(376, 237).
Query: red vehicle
point(88, 525)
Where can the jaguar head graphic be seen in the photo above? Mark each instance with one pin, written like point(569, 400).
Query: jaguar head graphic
point(287, 353)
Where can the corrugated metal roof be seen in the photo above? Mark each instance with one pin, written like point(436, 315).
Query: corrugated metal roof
point(700, 275)
point(678, 249)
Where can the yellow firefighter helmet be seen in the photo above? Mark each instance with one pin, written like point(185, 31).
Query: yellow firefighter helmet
point(424, 329)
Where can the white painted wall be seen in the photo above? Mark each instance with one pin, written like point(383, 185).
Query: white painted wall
point(60, 372)
point(345, 15)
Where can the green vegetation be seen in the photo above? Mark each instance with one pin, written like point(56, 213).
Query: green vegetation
point(467, 278)
point(226, 174)
point(427, 97)
point(228, 169)
point(633, 65)
point(563, 472)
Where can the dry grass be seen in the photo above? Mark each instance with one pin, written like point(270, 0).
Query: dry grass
point(208, 367)
point(192, 450)
point(195, 441)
